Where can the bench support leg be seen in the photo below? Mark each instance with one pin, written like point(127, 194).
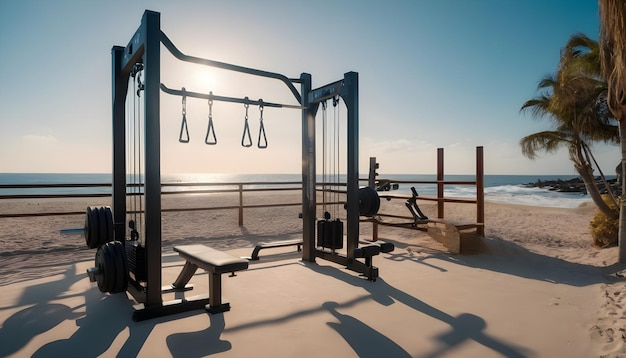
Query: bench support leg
point(185, 275)
point(215, 295)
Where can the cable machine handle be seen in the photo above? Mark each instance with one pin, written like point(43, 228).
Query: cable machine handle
point(211, 129)
point(263, 144)
point(246, 129)
point(183, 127)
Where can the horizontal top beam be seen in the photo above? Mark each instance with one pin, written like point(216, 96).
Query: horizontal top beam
point(326, 92)
point(251, 71)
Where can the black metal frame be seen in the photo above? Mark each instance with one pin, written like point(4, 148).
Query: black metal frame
point(144, 48)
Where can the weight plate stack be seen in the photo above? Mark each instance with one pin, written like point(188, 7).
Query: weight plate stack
point(92, 228)
point(98, 226)
point(136, 255)
point(112, 267)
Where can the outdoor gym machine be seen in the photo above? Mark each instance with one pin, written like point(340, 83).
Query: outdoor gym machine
point(141, 58)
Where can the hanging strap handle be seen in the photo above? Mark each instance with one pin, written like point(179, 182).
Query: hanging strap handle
point(246, 129)
point(261, 145)
point(183, 127)
point(211, 129)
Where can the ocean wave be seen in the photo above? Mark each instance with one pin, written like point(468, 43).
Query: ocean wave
point(517, 194)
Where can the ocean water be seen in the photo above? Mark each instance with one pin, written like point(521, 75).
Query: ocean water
point(498, 188)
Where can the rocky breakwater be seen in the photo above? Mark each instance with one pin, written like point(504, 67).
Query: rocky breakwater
point(575, 185)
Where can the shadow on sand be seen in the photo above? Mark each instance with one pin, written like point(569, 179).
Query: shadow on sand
point(363, 339)
point(463, 327)
point(104, 318)
point(509, 258)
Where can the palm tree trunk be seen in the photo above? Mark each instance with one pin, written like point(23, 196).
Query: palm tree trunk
point(622, 212)
point(586, 173)
point(608, 188)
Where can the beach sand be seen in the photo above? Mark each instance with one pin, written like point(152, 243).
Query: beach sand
point(538, 288)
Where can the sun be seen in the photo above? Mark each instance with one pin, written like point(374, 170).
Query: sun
point(204, 80)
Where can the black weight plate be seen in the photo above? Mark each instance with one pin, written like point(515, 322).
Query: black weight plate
point(108, 274)
point(365, 201)
point(87, 230)
point(102, 226)
point(121, 267)
point(125, 277)
point(95, 227)
point(375, 202)
point(100, 264)
point(92, 228)
point(369, 202)
point(109, 221)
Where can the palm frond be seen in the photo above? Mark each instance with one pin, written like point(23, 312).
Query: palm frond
point(546, 141)
point(581, 55)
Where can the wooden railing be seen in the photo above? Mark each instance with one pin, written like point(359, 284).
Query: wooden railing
point(246, 187)
point(478, 183)
point(238, 187)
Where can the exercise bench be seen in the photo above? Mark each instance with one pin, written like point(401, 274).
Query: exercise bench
point(216, 263)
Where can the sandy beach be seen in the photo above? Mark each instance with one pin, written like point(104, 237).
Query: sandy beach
point(538, 288)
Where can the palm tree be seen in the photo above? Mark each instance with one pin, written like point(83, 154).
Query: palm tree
point(613, 62)
point(580, 62)
point(574, 100)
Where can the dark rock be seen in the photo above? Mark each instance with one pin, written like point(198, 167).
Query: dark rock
point(575, 185)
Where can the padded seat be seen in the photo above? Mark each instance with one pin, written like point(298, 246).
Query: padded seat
point(210, 259)
point(213, 261)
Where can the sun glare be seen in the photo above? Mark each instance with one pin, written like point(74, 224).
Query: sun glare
point(204, 80)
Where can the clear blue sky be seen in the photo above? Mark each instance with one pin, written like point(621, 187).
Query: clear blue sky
point(448, 73)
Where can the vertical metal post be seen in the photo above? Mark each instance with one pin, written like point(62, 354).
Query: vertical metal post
point(440, 177)
point(308, 171)
point(151, 24)
point(350, 95)
point(480, 192)
point(118, 197)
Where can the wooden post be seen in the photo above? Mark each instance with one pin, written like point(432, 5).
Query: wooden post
point(240, 204)
point(440, 183)
point(374, 231)
point(480, 192)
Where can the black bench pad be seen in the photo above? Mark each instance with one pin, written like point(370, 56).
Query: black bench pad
point(214, 261)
